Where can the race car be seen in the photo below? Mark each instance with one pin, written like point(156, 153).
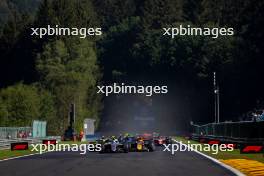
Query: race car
point(145, 145)
point(112, 145)
point(131, 142)
point(160, 140)
point(140, 143)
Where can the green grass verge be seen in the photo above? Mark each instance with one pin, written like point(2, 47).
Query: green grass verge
point(7, 153)
point(235, 154)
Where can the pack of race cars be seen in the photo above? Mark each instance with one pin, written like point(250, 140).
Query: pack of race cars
point(132, 143)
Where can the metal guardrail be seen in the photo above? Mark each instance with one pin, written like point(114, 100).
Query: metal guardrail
point(5, 143)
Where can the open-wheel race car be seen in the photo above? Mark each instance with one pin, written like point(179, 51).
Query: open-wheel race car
point(112, 145)
point(160, 140)
point(140, 143)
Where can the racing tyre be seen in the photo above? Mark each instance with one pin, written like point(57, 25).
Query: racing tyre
point(151, 147)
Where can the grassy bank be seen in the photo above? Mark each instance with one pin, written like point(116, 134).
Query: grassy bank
point(7, 153)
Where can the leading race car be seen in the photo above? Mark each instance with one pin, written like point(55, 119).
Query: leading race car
point(112, 145)
point(140, 143)
point(145, 145)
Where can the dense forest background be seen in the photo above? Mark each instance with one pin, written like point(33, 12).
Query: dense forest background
point(41, 77)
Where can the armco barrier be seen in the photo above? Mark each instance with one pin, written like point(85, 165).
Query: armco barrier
point(6, 143)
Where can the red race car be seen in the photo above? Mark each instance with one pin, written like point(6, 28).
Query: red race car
point(160, 140)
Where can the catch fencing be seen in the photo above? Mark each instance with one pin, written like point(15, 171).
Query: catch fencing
point(243, 131)
point(15, 132)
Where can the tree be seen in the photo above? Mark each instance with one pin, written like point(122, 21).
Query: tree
point(116, 48)
point(156, 14)
point(48, 111)
point(71, 73)
point(16, 47)
point(3, 113)
point(191, 10)
point(113, 12)
point(20, 105)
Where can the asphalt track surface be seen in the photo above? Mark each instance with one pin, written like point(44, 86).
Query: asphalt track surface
point(156, 163)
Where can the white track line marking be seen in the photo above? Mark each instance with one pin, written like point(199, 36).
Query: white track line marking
point(235, 171)
point(22, 156)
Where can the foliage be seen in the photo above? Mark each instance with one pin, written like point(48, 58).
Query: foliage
point(21, 104)
point(66, 70)
point(70, 72)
